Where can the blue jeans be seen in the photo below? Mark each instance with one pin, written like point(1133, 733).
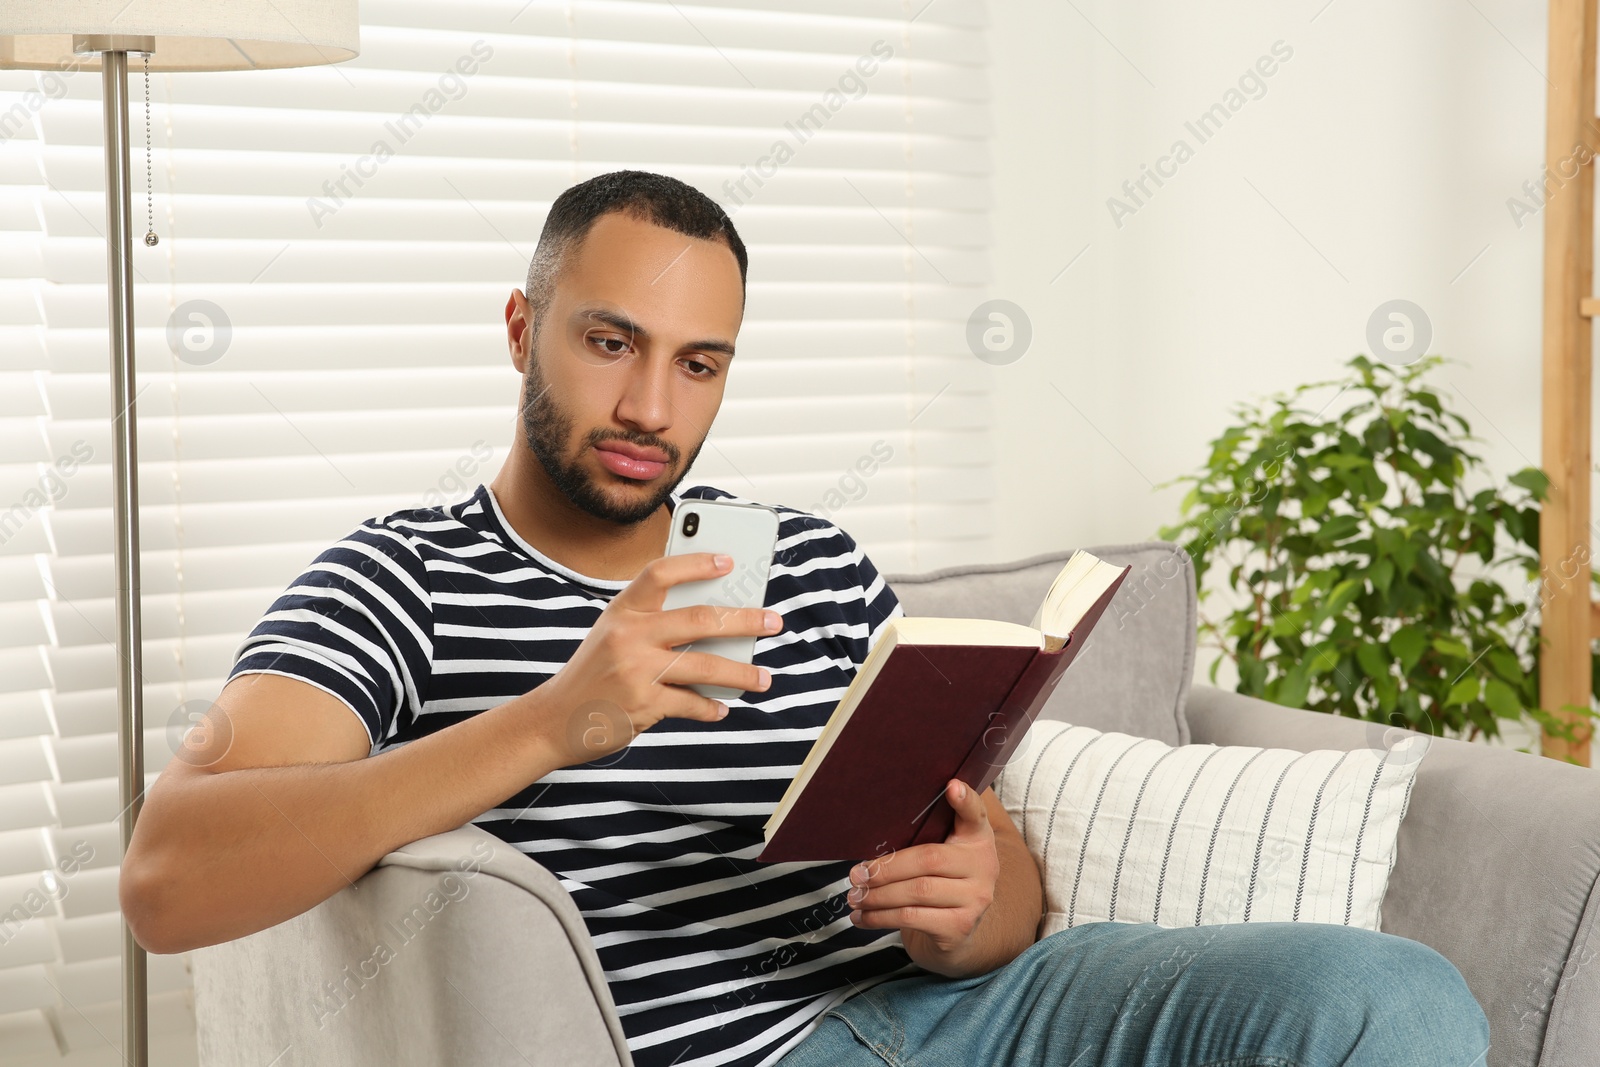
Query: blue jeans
point(1139, 995)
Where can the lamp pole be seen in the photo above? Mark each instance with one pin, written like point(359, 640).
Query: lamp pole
point(236, 35)
point(124, 498)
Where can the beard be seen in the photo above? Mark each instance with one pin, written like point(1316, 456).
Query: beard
point(547, 427)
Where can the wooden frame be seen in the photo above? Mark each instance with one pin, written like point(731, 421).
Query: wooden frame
point(1570, 620)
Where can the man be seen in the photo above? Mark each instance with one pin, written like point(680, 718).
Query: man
point(505, 661)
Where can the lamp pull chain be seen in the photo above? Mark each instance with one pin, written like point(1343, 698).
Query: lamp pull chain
point(150, 237)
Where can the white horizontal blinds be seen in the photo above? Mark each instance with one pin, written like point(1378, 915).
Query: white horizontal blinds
point(337, 247)
point(59, 845)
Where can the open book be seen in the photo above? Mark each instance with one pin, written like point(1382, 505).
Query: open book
point(936, 699)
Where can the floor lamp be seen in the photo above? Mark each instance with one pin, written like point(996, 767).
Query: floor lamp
point(176, 35)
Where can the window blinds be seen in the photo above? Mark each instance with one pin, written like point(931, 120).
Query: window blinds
point(320, 339)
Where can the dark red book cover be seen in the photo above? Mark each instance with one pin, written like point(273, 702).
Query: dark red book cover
point(933, 713)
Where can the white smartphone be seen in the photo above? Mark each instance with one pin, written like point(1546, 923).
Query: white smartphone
point(748, 533)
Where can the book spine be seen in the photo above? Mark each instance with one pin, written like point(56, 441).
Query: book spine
point(1009, 724)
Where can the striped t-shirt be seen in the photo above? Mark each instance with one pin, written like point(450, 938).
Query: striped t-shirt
point(423, 618)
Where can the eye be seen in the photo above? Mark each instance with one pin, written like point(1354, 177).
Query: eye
point(610, 344)
point(710, 371)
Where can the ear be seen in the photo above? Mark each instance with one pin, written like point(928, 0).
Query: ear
point(519, 330)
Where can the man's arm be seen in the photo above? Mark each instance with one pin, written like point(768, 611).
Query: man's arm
point(290, 810)
point(275, 806)
point(966, 906)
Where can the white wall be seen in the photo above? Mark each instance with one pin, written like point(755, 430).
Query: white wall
point(1391, 140)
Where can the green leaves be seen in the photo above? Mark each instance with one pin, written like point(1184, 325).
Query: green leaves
point(1367, 553)
point(1533, 480)
point(1408, 644)
point(1372, 660)
point(1465, 691)
point(1339, 528)
point(1291, 692)
point(1503, 700)
point(1342, 594)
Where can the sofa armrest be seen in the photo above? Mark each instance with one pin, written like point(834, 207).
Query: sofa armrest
point(457, 948)
point(1495, 869)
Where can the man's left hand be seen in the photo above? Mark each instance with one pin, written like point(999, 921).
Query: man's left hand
point(936, 894)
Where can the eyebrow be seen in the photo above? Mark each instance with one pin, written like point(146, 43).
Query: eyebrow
point(618, 321)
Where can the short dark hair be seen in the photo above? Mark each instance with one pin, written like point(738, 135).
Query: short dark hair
point(651, 197)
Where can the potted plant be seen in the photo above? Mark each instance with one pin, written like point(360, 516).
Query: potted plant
point(1368, 552)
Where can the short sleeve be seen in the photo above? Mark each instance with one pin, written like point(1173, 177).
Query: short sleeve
point(357, 624)
point(878, 605)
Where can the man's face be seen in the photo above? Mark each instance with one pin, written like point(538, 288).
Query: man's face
point(626, 371)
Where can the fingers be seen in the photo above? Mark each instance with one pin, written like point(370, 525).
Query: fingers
point(648, 591)
point(972, 811)
point(680, 626)
point(649, 588)
point(691, 705)
point(688, 667)
point(935, 874)
point(926, 891)
point(936, 888)
point(953, 909)
point(943, 924)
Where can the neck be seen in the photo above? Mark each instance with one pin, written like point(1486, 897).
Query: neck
point(543, 516)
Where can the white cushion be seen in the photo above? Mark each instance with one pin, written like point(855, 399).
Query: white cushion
point(1130, 829)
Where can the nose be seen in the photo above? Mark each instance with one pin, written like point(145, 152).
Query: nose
point(645, 403)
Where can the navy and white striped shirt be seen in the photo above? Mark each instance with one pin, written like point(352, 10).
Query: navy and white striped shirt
point(423, 618)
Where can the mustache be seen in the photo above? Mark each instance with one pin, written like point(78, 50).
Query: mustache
point(642, 440)
point(538, 407)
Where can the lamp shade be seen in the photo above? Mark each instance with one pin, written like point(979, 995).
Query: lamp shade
point(185, 34)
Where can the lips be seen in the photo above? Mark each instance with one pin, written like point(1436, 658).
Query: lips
point(631, 461)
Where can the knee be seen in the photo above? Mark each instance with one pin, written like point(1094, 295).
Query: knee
point(1385, 969)
point(1395, 1000)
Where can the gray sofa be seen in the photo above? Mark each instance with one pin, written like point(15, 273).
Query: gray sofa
point(461, 949)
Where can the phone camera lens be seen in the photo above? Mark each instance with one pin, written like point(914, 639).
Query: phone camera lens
point(691, 523)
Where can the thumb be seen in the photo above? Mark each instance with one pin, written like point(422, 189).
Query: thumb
point(971, 811)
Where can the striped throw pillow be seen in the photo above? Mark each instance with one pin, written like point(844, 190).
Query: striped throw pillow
point(1129, 829)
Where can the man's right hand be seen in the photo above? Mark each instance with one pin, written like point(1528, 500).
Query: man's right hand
point(627, 675)
point(278, 804)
